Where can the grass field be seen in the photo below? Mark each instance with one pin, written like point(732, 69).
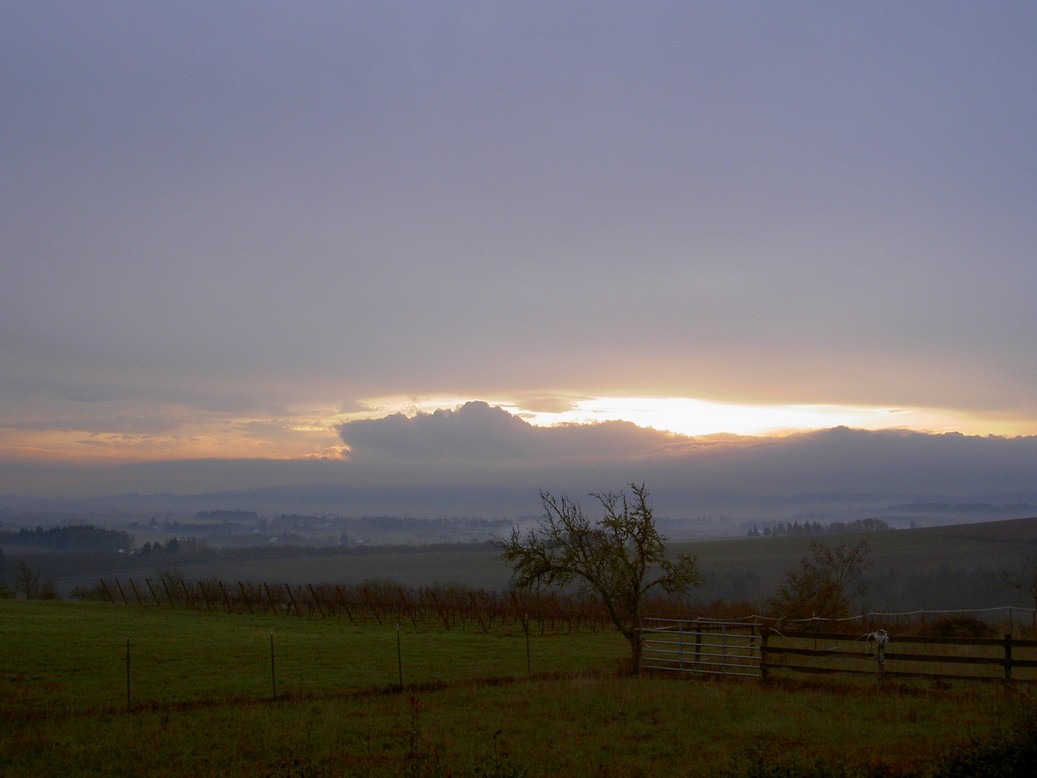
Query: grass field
point(202, 702)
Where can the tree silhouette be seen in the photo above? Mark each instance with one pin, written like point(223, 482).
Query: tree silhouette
point(619, 557)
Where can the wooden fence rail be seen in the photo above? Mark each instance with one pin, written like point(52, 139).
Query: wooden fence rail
point(1004, 659)
point(753, 650)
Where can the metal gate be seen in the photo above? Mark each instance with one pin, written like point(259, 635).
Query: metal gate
point(702, 646)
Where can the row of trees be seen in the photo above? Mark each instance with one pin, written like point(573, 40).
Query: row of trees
point(77, 537)
point(781, 528)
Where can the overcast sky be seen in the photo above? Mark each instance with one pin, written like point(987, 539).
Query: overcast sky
point(229, 229)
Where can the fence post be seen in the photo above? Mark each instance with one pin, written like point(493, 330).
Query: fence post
point(764, 633)
point(529, 662)
point(399, 654)
point(128, 706)
point(273, 673)
point(680, 645)
point(1008, 658)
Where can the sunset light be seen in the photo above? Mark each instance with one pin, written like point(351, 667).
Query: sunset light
point(694, 417)
point(418, 242)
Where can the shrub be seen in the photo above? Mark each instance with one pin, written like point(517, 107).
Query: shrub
point(961, 626)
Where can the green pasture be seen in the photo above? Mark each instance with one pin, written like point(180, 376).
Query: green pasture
point(72, 657)
point(203, 704)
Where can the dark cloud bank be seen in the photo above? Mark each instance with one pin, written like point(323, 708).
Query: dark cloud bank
point(480, 460)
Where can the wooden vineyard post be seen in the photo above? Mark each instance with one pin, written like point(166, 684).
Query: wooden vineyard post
point(227, 604)
point(440, 610)
point(344, 602)
point(152, 590)
point(406, 603)
point(371, 605)
point(291, 599)
point(172, 603)
point(136, 593)
point(107, 591)
point(270, 597)
point(316, 600)
point(244, 597)
point(478, 611)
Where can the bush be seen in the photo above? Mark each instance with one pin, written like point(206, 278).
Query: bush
point(961, 626)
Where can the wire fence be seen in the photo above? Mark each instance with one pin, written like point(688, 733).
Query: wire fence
point(137, 656)
point(373, 637)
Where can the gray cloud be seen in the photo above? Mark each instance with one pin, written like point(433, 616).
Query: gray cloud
point(478, 433)
point(480, 441)
point(480, 460)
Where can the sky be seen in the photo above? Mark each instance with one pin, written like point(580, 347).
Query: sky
point(259, 231)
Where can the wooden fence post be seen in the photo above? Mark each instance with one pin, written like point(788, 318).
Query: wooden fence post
point(764, 633)
point(680, 644)
point(1008, 658)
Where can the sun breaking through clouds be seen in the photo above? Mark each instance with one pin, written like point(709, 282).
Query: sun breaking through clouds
point(226, 230)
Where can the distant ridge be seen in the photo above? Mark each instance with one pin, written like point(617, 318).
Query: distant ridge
point(999, 531)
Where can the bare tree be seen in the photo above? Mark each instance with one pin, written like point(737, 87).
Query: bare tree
point(620, 557)
point(824, 585)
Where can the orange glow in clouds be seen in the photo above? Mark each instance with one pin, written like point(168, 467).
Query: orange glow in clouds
point(311, 433)
point(700, 417)
point(686, 416)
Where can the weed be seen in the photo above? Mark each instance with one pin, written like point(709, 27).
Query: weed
point(1010, 750)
